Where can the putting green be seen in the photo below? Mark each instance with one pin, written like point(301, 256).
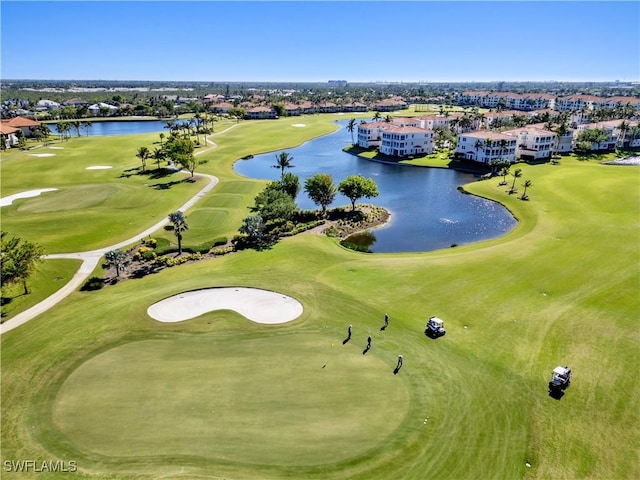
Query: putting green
point(287, 399)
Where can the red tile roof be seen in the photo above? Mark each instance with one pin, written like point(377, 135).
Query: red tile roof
point(21, 122)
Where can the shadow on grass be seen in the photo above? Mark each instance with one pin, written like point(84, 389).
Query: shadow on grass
point(167, 185)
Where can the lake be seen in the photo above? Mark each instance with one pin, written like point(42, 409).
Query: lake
point(122, 127)
point(428, 212)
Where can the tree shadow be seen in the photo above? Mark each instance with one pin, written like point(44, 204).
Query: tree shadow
point(167, 185)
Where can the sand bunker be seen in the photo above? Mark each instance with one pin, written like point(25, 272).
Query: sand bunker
point(41, 154)
point(260, 306)
point(98, 167)
point(56, 148)
point(298, 125)
point(4, 201)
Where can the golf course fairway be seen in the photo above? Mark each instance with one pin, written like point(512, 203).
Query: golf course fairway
point(97, 381)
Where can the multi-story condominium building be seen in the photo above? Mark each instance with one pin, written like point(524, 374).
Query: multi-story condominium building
point(564, 141)
point(431, 122)
point(261, 113)
point(407, 122)
point(486, 147)
point(533, 143)
point(612, 102)
point(404, 141)
point(370, 134)
point(354, 107)
point(577, 102)
point(612, 127)
point(516, 101)
point(389, 105)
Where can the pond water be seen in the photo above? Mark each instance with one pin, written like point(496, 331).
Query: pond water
point(121, 127)
point(428, 212)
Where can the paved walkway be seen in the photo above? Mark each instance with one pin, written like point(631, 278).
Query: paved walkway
point(91, 258)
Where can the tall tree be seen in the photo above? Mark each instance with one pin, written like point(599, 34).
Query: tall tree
point(283, 160)
point(517, 173)
point(351, 126)
point(116, 259)
point(290, 184)
point(18, 260)
point(321, 190)
point(180, 226)
point(76, 124)
point(158, 154)
point(86, 124)
point(526, 184)
point(355, 187)
point(143, 154)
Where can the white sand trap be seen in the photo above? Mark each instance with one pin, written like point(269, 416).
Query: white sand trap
point(56, 148)
point(42, 154)
point(98, 167)
point(298, 125)
point(260, 306)
point(4, 201)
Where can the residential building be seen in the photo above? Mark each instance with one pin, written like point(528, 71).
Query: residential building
point(404, 141)
point(370, 134)
point(577, 102)
point(612, 129)
point(533, 143)
point(97, 109)
point(21, 123)
point(486, 147)
point(8, 135)
point(261, 113)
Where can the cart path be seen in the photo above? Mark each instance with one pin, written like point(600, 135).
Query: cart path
point(91, 258)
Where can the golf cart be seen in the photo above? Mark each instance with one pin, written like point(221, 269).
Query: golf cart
point(560, 379)
point(434, 328)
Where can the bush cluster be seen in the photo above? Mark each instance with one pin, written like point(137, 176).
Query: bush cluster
point(223, 250)
point(144, 254)
point(174, 261)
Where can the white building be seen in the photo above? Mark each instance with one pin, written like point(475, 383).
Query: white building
point(404, 141)
point(486, 146)
point(370, 134)
point(533, 143)
point(96, 109)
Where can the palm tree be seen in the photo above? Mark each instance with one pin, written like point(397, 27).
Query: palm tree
point(158, 154)
point(350, 128)
point(76, 124)
point(161, 138)
point(504, 171)
point(117, 259)
point(526, 184)
point(283, 160)
point(87, 125)
point(179, 227)
point(143, 154)
point(516, 174)
point(623, 127)
point(377, 116)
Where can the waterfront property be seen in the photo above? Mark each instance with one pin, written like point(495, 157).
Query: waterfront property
point(486, 147)
point(533, 143)
point(404, 141)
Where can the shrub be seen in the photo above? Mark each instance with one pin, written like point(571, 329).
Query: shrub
point(94, 283)
point(223, 250)
point(151, 243)
point(220, 241)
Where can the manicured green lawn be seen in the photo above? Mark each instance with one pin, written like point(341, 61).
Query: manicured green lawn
point(560, 289)
point(49, 277)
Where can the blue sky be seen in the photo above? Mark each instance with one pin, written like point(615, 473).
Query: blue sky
point(359, 41)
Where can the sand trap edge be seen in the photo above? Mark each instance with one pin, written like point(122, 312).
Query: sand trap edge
point(257, 305)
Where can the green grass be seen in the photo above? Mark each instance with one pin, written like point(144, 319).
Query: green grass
point(50, 276)
point(561, 288)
